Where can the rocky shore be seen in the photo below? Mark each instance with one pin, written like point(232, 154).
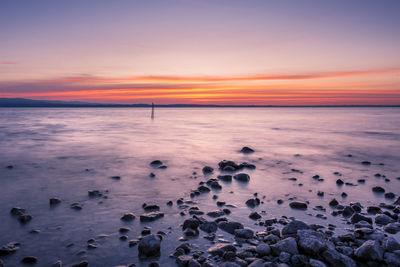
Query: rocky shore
point(284, 241)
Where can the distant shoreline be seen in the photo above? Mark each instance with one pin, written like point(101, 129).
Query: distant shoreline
point(30, 103)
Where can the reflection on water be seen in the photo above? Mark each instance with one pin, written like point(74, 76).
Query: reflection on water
point(66, 152)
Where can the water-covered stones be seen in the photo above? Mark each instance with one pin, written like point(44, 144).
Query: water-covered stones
point(151, 216)
point(128, 216)
point(207, 170)
point(230, 227)
point(242, 177)
point(54, 201)
point(9, 248)
point(149, 246)
point(298, 205)
point(246, 150)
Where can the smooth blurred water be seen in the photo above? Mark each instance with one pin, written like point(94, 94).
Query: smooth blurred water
point(51, 148)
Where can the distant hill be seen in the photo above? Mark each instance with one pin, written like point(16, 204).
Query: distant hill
point(23, 102)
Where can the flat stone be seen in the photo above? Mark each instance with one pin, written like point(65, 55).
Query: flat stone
point(151, 216)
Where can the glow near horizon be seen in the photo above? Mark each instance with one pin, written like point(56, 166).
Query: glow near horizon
point(202, 52)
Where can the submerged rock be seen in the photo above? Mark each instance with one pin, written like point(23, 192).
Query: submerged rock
point(149, 246)
point(54, 201)
point(242, 177)
point(207, 170)
point(128, 216)
point(29, 260)
point(156, 163)
point(246, 150)
point(9, 248)
point(230, 227)
point(298, 205)
point(151, 216)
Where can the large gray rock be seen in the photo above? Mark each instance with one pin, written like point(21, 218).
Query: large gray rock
point(383, 219)
point(220, 249)
point(369, 250)
point(334, 258)
point(288, 245)
point(292, 227)
point(245, 233)
point(317, 263)
point(391, 244)
point(392, 259)
point(263, 249)
point(230, 227)
point(149, 246)
point(311, 242)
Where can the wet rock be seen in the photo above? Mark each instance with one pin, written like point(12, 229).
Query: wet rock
point(347, 211)
point(279, 201)
point(24, 218)
point(149, 246)
point(292, 227)
point(335, 258)
point(9, 248)
point(392, 259)
point(320, 193)
point(242, 177)
point(152, 207)
point(252, 202)
point(244, 233)
point(383, 219)
point(263, 250)
point(29, 260)
point(124, 230)
point(225, 178)
point(81, 264)
point(128, 216)
point(361, 181)
point(94, 193)
point(54, 201)
point(333, 203)
point(288, 245)
point(391, 244)
point(220, 249)
point(369, 250)
point(298, 205)
point(116, 177)
point(209, 227)
point(311, 242)
point(378, 189)
point(152, 175)
point(367, 163)
point(230, 227)
point(207, 170)
point(170, 203)
point(254, 215)
point(390, 195)
point(316, 263)
point(246, 150)
point(392, 228)
point(339, 182)
point(10, 167)
point(156, 163)
point(203, 189)
point(17, 211)
point(216, 213)
point(151, 216)
point(191, 223)
point(183, 260)
point(357, 217)
point(373, 210)
point(76, 206)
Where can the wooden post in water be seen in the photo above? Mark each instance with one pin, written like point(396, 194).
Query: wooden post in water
point(152, 111)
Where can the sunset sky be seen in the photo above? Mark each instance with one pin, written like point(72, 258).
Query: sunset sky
point(202, 51)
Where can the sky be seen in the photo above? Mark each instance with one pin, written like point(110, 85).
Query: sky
point(342, 52)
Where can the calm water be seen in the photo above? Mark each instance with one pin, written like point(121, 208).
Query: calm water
point(51, 150)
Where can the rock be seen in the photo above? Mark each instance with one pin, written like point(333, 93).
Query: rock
point(246, 150)
point(358, 217)
point(54, 201)
point(224, 264)
point(392, 228)
point(369, 250)
point(149, 246)
point(366, 163)
point(124, 230)
point(390, 195)
point(316, 263)
point(24, 218)
point(152, 175)
point(383, 219)
point(288, 245)
point(392, 259)
point(339, 182)
point(151, 216)
point(156, 163)
point(254, 215)
point(94, 193)
point(230, 227)
point(216, 213)
point(263, 249)
point(207, 170)
point(333, 203)
point(245, 233)
point(17, 211)
point(252, 202)
point(191, 223)
point(292, 227)
point(347, 211)
point(220, 249)
point(29, 260)
point(81, 264)
point(116, 177)
point(334, 258)
point(203, 189)
point(152, 207)
point(378, 189)
point(225, 178)
point(10, 167)
point(183, 260)
point(284, 257)
point(311, 242)
point(128, 216)
point(209, 227)
point(76, 206)
point(391, 244)
point(298, 205)
point(9, 248)
point(242, 177)
point(373, 210)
